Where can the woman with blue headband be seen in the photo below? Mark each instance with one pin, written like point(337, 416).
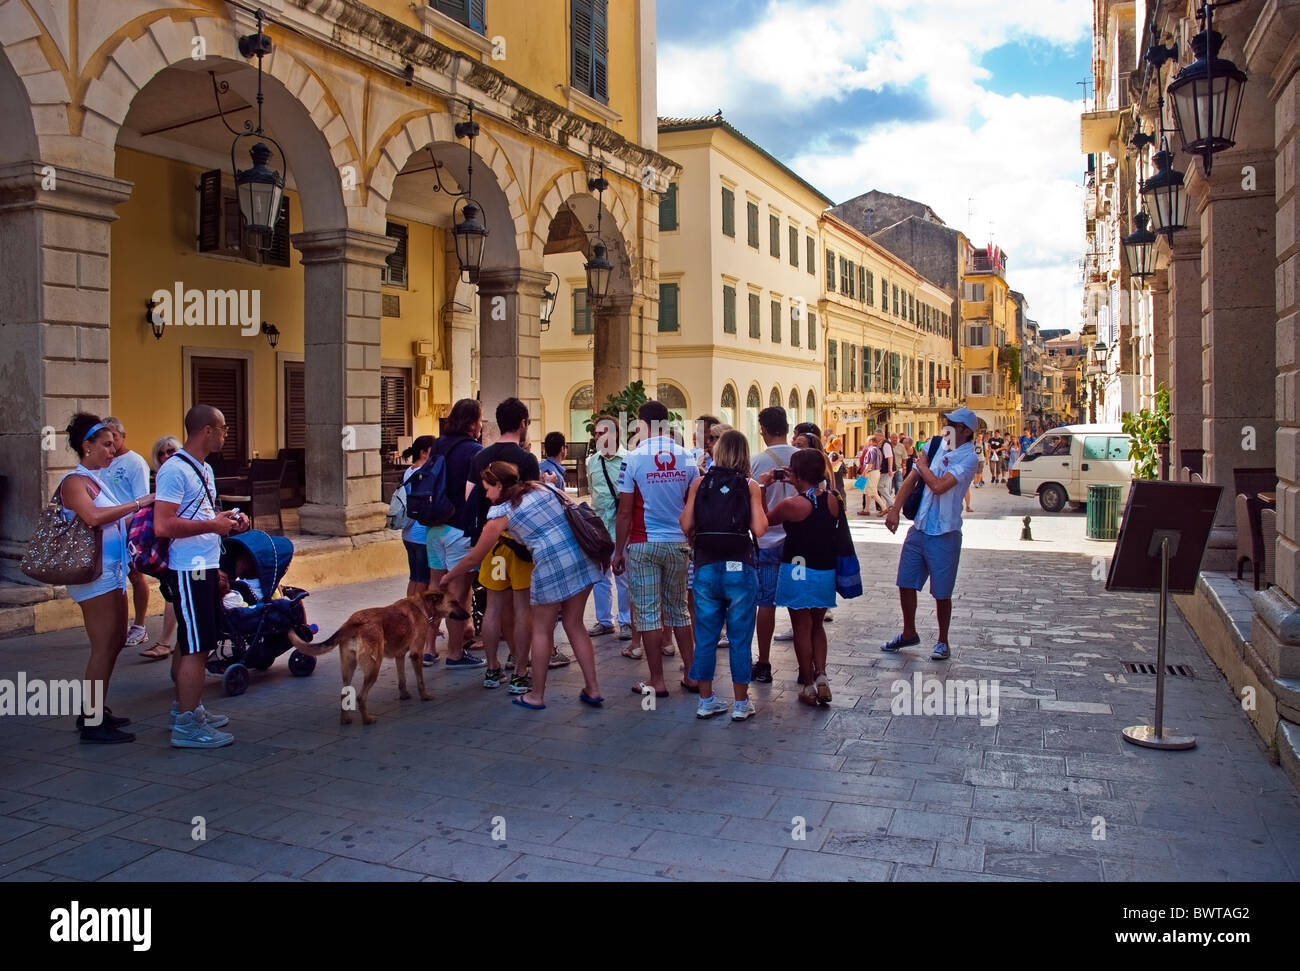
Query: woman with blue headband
point(103, 600)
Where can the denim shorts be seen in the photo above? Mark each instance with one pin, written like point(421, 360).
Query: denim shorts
point(930, 557)
point(769, 568)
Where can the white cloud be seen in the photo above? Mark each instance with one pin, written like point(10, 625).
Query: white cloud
point(1014, 160)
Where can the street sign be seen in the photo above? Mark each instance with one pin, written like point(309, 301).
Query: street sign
point(943, 384)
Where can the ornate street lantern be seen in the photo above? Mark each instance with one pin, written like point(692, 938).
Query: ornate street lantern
point(549, 296)
point(271, 333)
point(599, 269)
point(1164, 196)
point(1207, 94)
point(1140, 248)
point(470, 232)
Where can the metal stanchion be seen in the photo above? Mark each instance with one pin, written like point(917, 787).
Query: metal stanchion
point(1158, 736)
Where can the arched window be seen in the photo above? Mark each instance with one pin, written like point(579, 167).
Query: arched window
point(672, 397)
point(811, 413)
point(794, 403)
point(753, 401)
point(774, 399)
point(727, 405)
point(581, 406)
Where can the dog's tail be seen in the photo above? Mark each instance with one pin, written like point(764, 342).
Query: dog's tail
point(317, 648)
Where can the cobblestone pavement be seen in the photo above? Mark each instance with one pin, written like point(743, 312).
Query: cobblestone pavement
point(626, 794)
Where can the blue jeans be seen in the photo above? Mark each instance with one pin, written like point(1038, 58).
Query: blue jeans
point(724, 595)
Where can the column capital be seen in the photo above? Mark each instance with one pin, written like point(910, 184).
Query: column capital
point(514, 279)
point(615, 303)
point(1159, 282)
point(1225, 181)
point(23, 186)
point(343, 245)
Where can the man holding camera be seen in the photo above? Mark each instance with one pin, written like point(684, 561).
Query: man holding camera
point(774, 428)
point(932, 548)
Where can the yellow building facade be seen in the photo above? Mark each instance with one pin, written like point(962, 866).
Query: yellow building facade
point(117, 189)
point(889, 362)
point(988, 322)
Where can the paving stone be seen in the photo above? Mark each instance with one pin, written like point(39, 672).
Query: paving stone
point(532, 869)
point(378, 844)
point(953, 856)
point(1041, 866)
point(96, 859)
point(606, 839)
point(894, 848)
point(456, 859)
point(274, 859)
point(1003, 834)
point(927, 825)
point(340, 869)
point(819, 867)
point(702, 853)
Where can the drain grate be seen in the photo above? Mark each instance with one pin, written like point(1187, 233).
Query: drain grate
point(1146, 667)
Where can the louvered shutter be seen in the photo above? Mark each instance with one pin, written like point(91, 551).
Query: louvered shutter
point(219, 382)
point(728, 213)
point(794, 246)
point(728, 310)
point(751, 211)
point(395, 262)
point(755, 327)
point(295, 406)
point(394, 407)
point(278, 254)
point(667, 307)
point(210, 211)
point(830, 272)
point(668, 209)
point(478, 15)
point(776, 322)
point(580, 40)
point(599, 51)
point(458, 10)
point(812, 331)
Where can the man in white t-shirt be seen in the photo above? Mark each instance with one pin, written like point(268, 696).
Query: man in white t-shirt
point(774, 428)
point(128, 475)
point(650, 545)
point(185, 513)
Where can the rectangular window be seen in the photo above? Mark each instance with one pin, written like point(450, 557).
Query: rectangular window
point(896, 307)
point(751, 211)
point(728, 309)
point(911, 308)
point(755, 326)
point(847, 362)
point(668, 293)
point(978, 384)
point(776, 321)
point(471, 13)
point(844, 275)
point(977, 335)
point(728, 213)
point(295, 405)
point(974, 292)
point(832, 365)
point(853, 280)
point(394, 407)
point(668, 209)
point(589, 29)
point(866, 369)
point(774, 236)
point(862, 283)
point(581, 313)
point(812, 331)
point(884, 295)
point(812, 256)
point(219, 381)
point(393, 272)
point(794, 246)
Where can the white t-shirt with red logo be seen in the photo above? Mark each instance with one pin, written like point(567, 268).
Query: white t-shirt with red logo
point(658, 473)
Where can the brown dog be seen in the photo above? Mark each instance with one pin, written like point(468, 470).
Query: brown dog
point(372, 634)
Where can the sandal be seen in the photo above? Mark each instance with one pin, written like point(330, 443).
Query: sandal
point(157, 651)
point(669, 651)
point(640, 689)
point(635, 653)
point(809, 696)
point(692, 688)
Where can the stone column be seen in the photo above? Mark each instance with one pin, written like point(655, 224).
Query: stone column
point(459, 330)
point(1184, 306)
point(614, 347)
point(510, 341)
point(54, 275)
point(1160, 334)
point(341, 308)
point(1239, 324)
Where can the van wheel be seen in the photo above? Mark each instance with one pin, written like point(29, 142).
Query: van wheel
point(1052, 497)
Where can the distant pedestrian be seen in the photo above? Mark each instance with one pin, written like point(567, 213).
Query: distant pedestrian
point(1026, 439)
point(613, 599)
point(128, 475)
point(981, 448)
point(932, 549)
point(723, 517)
point(414, 538)
point(886, 484)
point(556, 450)
point(701, 441)
point(806, 586)
point(871, 459)
point(899, 443)
point(996, 456)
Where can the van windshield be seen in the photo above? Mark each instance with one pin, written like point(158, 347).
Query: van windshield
point(1049, 444)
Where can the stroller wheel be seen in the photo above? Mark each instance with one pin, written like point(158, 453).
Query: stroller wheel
point(301, 665)
point(235, 679)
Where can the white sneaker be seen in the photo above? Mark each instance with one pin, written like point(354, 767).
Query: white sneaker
point(194, 732)
point(136, 635)
point(711, 706)
point(785, 635)
point(203, 715)
point(742, 710)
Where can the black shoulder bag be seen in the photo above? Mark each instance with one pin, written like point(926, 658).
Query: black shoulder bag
point(913, 504)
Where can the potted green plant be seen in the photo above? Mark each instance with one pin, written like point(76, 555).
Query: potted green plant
point(626, 402)
point(1148, 433)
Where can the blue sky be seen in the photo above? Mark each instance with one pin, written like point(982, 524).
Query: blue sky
point(979, 118)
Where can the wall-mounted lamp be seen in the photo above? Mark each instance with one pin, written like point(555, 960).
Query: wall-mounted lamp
point(548, 301)
point(271, 333)
point(153, 318)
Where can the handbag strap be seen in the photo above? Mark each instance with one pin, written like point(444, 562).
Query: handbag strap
point(202, 481)
point(608, 481)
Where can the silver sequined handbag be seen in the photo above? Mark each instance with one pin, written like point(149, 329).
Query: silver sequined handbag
point(63, 552)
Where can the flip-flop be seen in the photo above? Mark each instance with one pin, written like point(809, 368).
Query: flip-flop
point(519, 700)
point(589, 700)
point(151, 653)
point(640, 686)
point(692, 688)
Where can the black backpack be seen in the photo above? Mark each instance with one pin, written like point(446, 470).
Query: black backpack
point(722, 504)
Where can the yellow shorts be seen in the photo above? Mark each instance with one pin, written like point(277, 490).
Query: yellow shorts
point(503, 570)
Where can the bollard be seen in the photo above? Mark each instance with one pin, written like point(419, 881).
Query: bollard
point(1025, 534)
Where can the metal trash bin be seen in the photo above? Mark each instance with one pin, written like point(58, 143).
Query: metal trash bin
point(1103, 512)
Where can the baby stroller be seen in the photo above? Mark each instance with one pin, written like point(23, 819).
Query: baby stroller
point(254, 636)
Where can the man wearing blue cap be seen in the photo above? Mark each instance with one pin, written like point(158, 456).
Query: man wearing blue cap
point(932, 548)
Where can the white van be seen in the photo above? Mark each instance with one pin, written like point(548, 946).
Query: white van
point(1062, 463)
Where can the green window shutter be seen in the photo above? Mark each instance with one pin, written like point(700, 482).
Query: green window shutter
point(867, 377)
point(830, 272)
point(844, 275)
point(668, 307)
point(668, 209)
point(812, 331)
point(728, 310)
point(776, 321)
point(884, 295)
point(853, 280)
point(832, 365)
point(751, 211)
point(600, 50)
point(862, 283)
point(728, 213)
point(394, 271)
point(796, 325)
point(581, 313)
point(812, 256)
point(794, 246)
point(755, 326)
point(774, 236)
point(580, 44)
point(870, 289)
